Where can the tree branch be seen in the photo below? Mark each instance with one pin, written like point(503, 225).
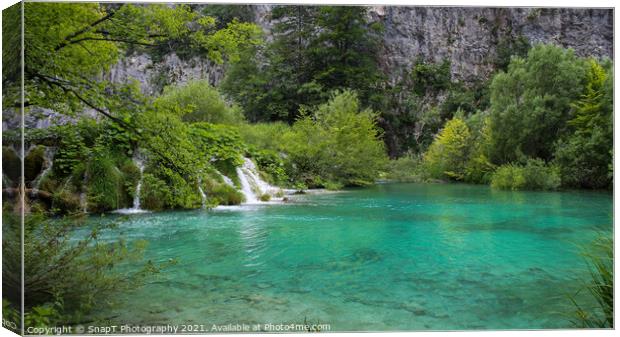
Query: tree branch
point(67, 39)
point(110, 40)
point(53, 81)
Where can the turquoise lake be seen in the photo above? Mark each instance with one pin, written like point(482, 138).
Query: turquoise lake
point(384, 258)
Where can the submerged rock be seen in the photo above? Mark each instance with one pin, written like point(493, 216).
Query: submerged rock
point(366, 255)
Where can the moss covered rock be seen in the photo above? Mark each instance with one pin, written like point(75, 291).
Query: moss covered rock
point(222, 194)
point(64, 202)
point(11, 167)
point(34, 163)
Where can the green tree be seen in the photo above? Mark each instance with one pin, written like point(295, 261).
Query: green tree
point(430, 77)
point(585, 155)
point(315, 50)
point(479, 169)
point(226, 14)
point(69, 45)
point(274, 80)
point(531, 103)
point(345, 51)
point(448, 154)
point(339, 143)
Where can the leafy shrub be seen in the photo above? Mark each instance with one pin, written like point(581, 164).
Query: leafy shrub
point(106, 189)
point(265, 197)
point(224, 194)
point(217, 143)
point(479, 169)
point(11, 315)
point(408, 168)
point(430, 76)
point(332, 186)
point(41, 316)
point(267, 136)
point(508, 177)
point(184, 194)
point(534, 175)
point(339, 143)
point(271, 165)
point(154, 193)
point(198, 101)
point(64, 269)
point(65, 202)
point(72, 150)
point(168, 144)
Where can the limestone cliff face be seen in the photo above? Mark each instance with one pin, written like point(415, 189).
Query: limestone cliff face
point(154, 76)
point(467, 36)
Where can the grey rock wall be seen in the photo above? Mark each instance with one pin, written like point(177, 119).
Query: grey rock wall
point(154, 76)
point(467, 36)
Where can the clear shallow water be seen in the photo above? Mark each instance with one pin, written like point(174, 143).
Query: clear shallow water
point(389, 257)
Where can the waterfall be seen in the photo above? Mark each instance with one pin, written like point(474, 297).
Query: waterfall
point(246, 188)
point(227, 180)
point(83, 202)
point(252, 186)
point(136, 198)
point(203, 195)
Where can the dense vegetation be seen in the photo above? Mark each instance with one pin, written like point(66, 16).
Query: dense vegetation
point(316, 49)
point(548, 125)
point(311, 107)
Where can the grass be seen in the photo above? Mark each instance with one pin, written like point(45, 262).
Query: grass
point(601, 286)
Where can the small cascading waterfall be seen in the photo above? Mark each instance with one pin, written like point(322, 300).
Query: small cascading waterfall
point(203, 195)
point(246, 188)
point(252, 186)
point(83, 202)
point(136, 198)
point(48, 157)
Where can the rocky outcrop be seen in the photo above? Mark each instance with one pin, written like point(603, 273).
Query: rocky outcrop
point(468, 37)
point(154, 76)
